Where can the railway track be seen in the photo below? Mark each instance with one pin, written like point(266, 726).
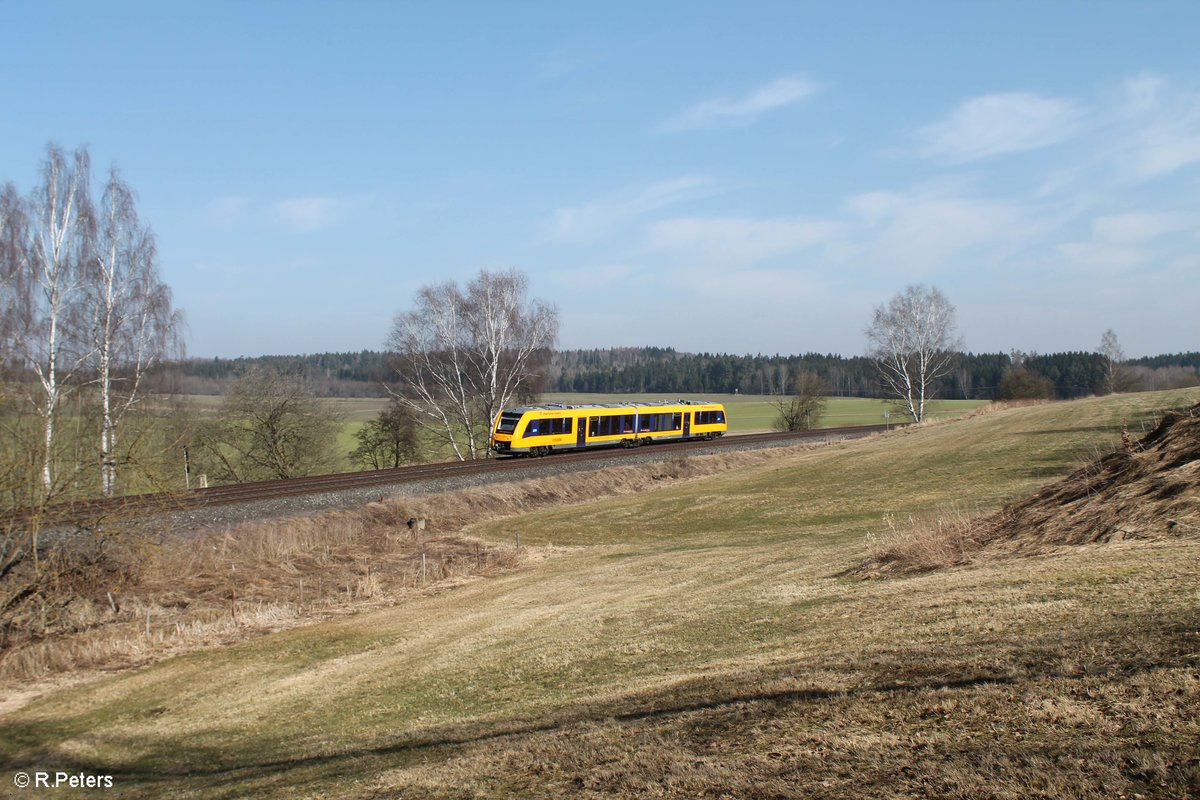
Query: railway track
point(92, 511)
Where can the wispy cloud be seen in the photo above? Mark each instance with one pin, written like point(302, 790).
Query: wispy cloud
point(591, 278)
point(734, 111)
point(739, 242)
point(1102, 258)
point(917, 232)
point(1141, 226)
point(595, 219)
point(306, 213)
point(225, 212)
point(1161, 127)
point(1127, 242)
point(994, 124)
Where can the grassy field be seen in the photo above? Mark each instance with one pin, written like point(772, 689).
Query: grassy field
point(747, 413)
point(704, 640)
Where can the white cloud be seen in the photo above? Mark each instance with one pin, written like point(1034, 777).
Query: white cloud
point(995, 124)
point(1032, 250)
point(306, 213)
point(594, 220)
point(225, 212)
point(1159, 128)
point(733, 111)
point(592, 278)
point(739, 242)
point(1125, 243)
point(917, 232)
point(1103, 257)
point(1140, 226)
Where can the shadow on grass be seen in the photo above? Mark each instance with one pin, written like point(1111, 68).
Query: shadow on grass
point(205, 768)
point(887, 677)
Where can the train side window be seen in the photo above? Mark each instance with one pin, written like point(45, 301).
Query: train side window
point(593, 426)
point(532, 428)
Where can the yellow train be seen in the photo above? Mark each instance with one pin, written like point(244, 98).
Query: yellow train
point(541, 429)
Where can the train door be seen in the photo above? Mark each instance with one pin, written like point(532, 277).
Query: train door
point(687, 424)
point(581, 437)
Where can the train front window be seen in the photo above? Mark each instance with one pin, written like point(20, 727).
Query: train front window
point(508, 422)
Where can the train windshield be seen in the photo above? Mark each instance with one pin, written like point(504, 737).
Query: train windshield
point(508, 422)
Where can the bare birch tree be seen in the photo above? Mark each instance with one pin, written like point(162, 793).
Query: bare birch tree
point(463, 356)
point(913, 343)
point(1114, 357)
point(133, 325)
point(49, 290)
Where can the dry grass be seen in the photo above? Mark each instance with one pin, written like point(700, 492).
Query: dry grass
point(219, 587)
point(1144, 490)
point(123, 600)
point(916, 545)
point(702, 640)
point(1147, 489)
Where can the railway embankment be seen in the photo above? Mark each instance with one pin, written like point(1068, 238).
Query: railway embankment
point(158, 581)
point(234, 503)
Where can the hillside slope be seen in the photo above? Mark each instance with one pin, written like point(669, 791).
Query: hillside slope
point(1145, 489)
point(703, 640)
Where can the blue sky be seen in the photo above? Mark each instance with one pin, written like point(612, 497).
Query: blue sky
point(751, 177)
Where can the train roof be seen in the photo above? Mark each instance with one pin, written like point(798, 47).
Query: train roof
point(587, 406)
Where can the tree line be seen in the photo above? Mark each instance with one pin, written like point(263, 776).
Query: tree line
point(663, 370)
point(354, 374)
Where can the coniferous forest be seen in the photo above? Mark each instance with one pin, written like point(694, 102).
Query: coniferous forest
point(663, 370)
